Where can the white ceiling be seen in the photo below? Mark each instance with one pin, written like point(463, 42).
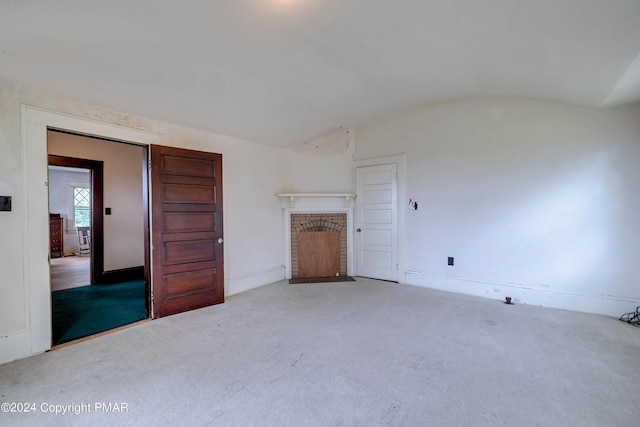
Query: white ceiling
point(282, 71)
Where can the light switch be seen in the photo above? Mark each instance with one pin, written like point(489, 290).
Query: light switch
point(5, 203)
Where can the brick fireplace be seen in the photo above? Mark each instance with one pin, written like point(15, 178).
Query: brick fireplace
point(327, 221)
point(327, 224)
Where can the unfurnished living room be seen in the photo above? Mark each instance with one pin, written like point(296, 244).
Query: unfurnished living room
point(320, 212)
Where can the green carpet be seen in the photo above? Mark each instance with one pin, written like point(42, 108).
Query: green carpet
point(88, 310)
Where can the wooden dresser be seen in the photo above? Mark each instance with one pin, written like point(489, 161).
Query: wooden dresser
point(56, 236)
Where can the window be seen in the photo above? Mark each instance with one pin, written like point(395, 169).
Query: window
point(82, 206)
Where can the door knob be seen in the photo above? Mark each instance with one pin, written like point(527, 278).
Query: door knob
point(220, 240)
point(359, 230)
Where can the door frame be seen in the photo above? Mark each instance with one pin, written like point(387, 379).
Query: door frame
point(401, 164)
point(35, 337)
point(96, 170)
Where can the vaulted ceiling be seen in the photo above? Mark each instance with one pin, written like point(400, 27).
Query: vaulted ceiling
point(282, 71)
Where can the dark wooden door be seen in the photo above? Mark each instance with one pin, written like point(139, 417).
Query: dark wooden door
point(187, 246)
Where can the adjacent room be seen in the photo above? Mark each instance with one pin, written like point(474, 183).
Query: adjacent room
point(97, 261)
point(313, 212)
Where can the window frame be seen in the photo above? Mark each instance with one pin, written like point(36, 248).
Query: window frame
point(78, 207)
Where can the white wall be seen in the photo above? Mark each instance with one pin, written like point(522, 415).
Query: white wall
point(253, 217)
point(61, 184)
point(535, 200)
point(13, 294)
point(123, 192)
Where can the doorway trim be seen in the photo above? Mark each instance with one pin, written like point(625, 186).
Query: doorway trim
point(401, 163)
point(96, 169)
point(36, 335)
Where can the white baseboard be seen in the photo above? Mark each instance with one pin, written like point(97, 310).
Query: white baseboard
point(605, 305)
point(15, 346)
point(236, 285)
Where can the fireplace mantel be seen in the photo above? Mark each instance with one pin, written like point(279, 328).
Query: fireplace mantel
point(321, 203)
point(316, 199)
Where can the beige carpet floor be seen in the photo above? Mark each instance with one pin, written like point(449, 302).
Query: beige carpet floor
point(365, 353)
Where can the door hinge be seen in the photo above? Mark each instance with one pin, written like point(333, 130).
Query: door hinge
point(149, 163)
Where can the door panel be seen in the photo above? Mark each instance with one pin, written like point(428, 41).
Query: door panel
point(380, 216)
point(188, 252)
point(374, 177)
point(377, 237)
point(188, 267)
point(377, 196)
point(181, 284)
point(376, 222)
point(177, 193)
point(375, 259)
point(188, 221)
point(176, 165)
